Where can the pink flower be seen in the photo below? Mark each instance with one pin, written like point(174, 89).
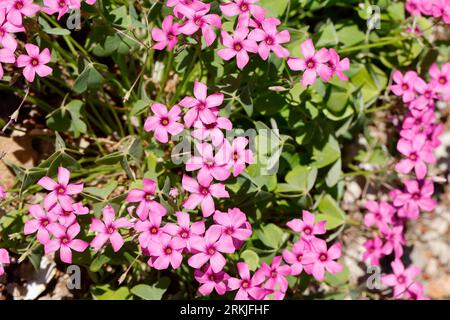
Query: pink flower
point(60, 6)
point(312, 63)
point(210, 248)
point(61, 191)
point(200, 20)
point(6, 56)
point(202, 192)
point(210, 165)
point(2, 193)
point(42, 220)
point(195, 5)
point(212, 130)
point(337, 65)
point(68, 217)
point(202, 107)
point(211, 280)
point(168, 36)
point(184, 230)
point(241, 8)
point(237, 46)
point(394, 240)
point(259, 16)
point(295, 256)
point(145, 198)
point(149, 229)
point(417, 122)
point(270, 40)
point(248, 287)
point(276, 274)
point(34, 62)
point(401, 279)
point(237, 154)
point(323, 258)
point(307, 227)
point(15, 9)
point(440, 77)
point(6, 29)
point(427, 90)
point(380, 213)
point(415, 291)
point(235, 227)
point(165, 250)
point(65, 241)
point(404, 85)
point(416, 196)
point(164, 122)
point(374, 251)
point(108, 229)
point(418, 153)
point(4, 259)
point(414, 7)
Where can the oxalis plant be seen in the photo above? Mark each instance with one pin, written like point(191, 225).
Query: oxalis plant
point(201, 149)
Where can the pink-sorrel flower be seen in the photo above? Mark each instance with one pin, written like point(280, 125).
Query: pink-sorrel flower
point(59, 6)
point(380, 213)
point(149, 229)
point(145, 197)
point(15, 9)
point(374, 251)
point(68, 217)
point(294, 257)
point(249, 288)
point(393, 240)
point(337, 65)
point(401, 278)
point(209, 165)
point(184, 230)
point(440, 77)
point(416, 196)
point(4, 260)
point(307, 227)
point(34, 62)
point(108, 229)
point(418, 153)
point(42, 220)
point(427, 90)
point(2, 193)
point(270, 40)
point(165, 250)
point(323, 258)
point(212, 131)
point(164, 122)
point(195, 5)
point(241, 8)
point(167, 36)
point(237, 46)
point(417, 122)
point(259, 16)
point(6, 56)
point(61, 191)
point(276, 274)
point(6, 31)
point(200, 20)
point(202, 107)
point(234, 226)
point(237, 154)
point(202, 192)
point(211, 280)
point(65, 241)
point(313, 63)
point(210, 248)
point(404, 85)
point(415, 291)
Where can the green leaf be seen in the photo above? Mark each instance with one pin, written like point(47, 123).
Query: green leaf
point(105, 292)
point(90, 78)
point(334, 174)
point(153, 292)
point(325, 154)
point(102, 192)
point(331, 212)
point(338, 279)
point(275, 8)
point(57, 31)
point(251, 258)
point(300, 179)
point(327, 35)
point(271, 235)
point(98, 263)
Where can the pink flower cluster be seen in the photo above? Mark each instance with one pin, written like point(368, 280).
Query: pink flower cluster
point(419, 136)
point(254, 33)
point(439, 9)
point(4, 260)
point(12, 13)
